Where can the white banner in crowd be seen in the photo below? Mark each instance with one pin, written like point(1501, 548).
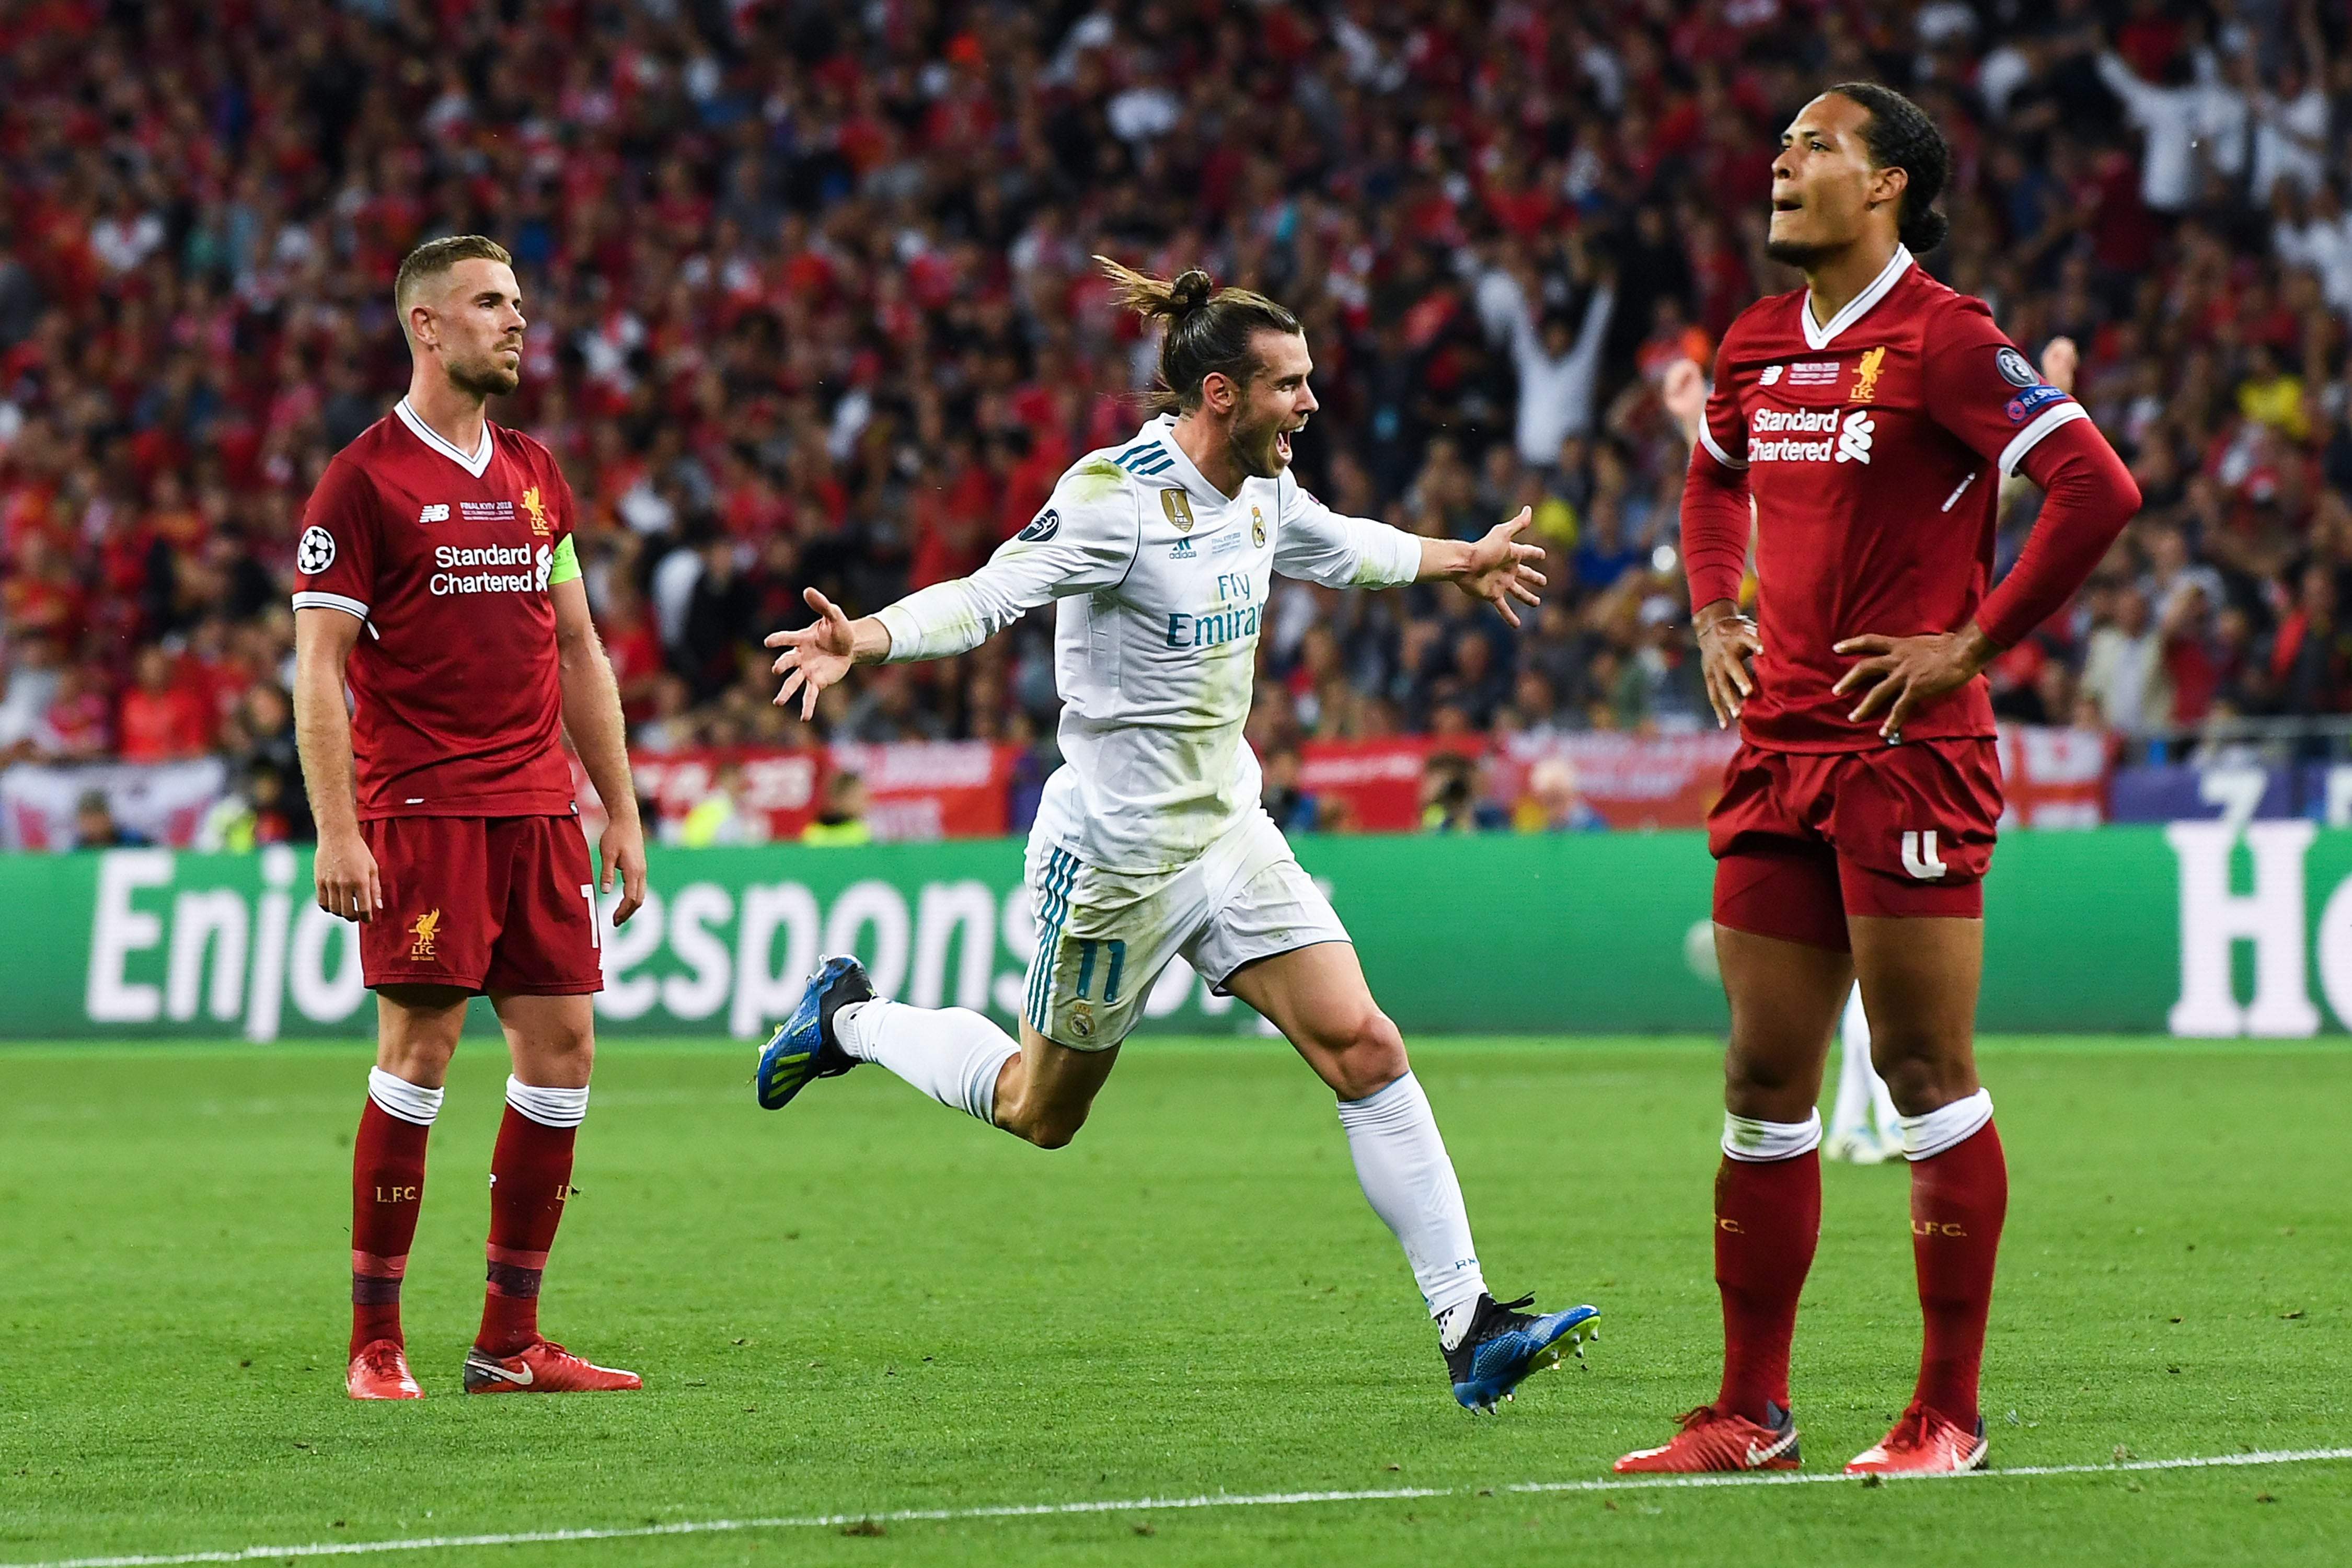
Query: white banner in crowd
point(162, 802)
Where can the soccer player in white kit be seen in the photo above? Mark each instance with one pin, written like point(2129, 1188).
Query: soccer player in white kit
point(1150, 843)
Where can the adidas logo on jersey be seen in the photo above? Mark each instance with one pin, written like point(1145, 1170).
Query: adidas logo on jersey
point(1853, 437)
point(1183, 551)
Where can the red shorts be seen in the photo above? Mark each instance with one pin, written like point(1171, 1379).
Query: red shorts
point(1802, 840)
point(496, 903)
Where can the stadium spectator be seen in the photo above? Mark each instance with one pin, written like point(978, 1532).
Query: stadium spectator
point(812, 305)
point(1553, 803)
point(841, 820)
point(95, 826)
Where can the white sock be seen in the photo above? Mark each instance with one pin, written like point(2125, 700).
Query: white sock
point(1402, 1161)
point(1925, 1137)
point(1852, 1113)
point(398, 1096)
point(951, 1053)
point(547, 1107)
point(1761, 1142)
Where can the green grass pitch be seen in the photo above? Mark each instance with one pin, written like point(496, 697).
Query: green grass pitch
point(867, 1303)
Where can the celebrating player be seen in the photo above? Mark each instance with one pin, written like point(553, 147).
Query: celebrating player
point(1871, 417)
point(447, 541)
point(1158, 555)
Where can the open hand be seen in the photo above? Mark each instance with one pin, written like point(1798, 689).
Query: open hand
point(1500, 569)
point(1901, 674)
point(817, 656)
point(1726, 641)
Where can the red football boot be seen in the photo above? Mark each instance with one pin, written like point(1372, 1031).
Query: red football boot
point(542, 1368)
point(1711, 1442)
point(381, 1372)
point(1922, 1444)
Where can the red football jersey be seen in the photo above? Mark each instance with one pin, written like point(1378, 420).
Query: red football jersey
point(446, 557)
point(1875, 447)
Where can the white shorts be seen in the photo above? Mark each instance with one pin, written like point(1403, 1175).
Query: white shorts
point(1103, 937)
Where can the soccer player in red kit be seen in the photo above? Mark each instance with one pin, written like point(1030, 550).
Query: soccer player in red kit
point(436, 574)
point(1871, 417)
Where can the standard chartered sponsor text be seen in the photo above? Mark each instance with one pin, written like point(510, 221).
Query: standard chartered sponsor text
point(449, 557)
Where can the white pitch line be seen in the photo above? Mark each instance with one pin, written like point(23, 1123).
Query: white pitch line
point(1138, 1505)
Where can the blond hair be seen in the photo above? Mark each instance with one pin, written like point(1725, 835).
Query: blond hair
point(434, 258)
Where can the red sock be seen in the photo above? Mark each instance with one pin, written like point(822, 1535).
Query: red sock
point(530, 1177)
point(387, 1185)
point(1958, 1201)
point(1767, 1215)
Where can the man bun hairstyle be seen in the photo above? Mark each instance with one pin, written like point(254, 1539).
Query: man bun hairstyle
point(1899, 135)
point(435, 257)
point(1208, 330)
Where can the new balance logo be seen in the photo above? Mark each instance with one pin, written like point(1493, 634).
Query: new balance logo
point(438, 513)
point(1920, 856)
point(1853, 437)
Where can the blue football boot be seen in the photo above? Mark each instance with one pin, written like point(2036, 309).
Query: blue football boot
point(1505, 1345)
point(804, 1047)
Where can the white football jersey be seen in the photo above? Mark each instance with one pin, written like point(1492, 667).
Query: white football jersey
point(1162, 583)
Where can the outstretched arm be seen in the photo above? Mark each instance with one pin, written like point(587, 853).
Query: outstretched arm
point(1321, 546)
point(819, 654)
point(1496, 568)
point(1074, 546)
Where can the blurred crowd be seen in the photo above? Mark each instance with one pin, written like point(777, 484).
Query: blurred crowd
point(812, 304)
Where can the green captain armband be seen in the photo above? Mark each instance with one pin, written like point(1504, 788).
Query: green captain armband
point(565, 566)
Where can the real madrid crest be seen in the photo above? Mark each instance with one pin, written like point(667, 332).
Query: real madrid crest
point(1179, 508)
point(1258, 527)
point(1082, 1020)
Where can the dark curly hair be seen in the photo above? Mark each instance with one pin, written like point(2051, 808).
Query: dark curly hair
point(1209, 330)
point(1901, 136)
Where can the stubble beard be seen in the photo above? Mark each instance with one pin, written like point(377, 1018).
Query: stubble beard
point(1255, 452)
point(485, 378)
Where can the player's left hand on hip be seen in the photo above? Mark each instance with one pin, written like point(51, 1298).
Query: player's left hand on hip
point(1898, 675)
point(1501, 569)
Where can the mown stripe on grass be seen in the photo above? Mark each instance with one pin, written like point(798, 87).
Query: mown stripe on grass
point(1138, 1505)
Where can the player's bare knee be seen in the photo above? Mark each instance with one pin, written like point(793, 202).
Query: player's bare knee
point(1922, 1082)
point(1747, 1071)
point(1368, 1056)
point(418, 1059)
point(1770, 1084)
point(1055, 1129)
